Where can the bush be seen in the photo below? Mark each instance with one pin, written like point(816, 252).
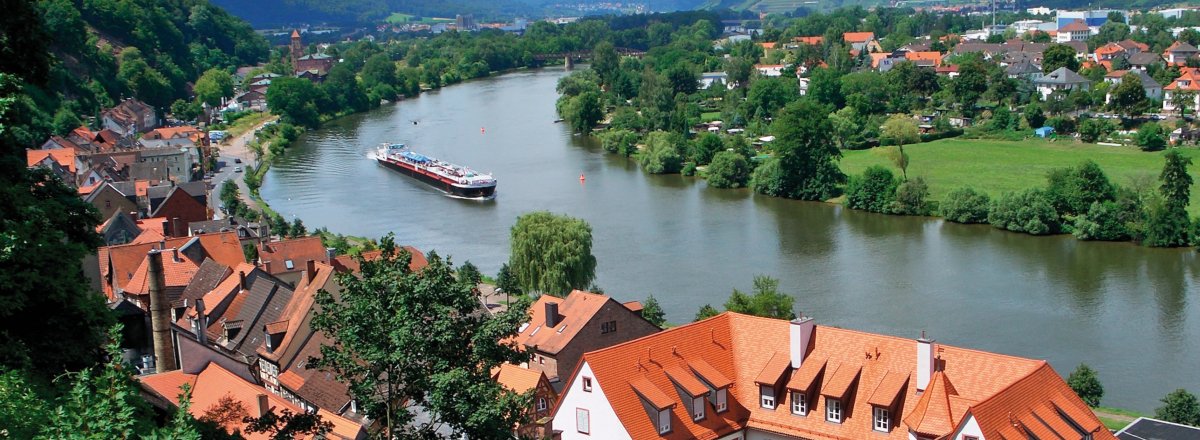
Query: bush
point(1085, 383)
point(767, 177)
point(1151, 137)
point(662, 153)
point(623, 142)
point(1073, 190)
point(1103, 222)
point(1029, 211)
point(965, 205)
point(873, 191)
point(728, 170)
point(912, 198)
point(930, 137)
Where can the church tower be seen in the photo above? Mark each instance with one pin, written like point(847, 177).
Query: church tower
point(297, 50)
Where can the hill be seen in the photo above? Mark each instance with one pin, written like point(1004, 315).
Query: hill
point(100, 51)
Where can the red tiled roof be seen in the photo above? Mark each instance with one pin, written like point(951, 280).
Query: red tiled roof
point(576, 310)
point(1076, 25)
point(815, 41)
point(176, 273)
point(686, 380)
point(347, 263)
point(858, 37)
point(805, 377)
point(741, 347)
point(64, 157)
point(1189, 80)
point(168, 385)
point(775, 369)
point(770, 45)
point(297, 250)
point(515, 378)
point(933, 56)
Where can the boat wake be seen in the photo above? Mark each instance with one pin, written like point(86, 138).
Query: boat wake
point(477, 199)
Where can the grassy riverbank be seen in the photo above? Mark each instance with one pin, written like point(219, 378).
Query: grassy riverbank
point(996, 167)
point(1115, 418)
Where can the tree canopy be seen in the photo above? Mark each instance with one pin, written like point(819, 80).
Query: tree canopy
point(805, 162)
point(551, 253)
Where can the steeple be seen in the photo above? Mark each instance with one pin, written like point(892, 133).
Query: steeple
point(297, 50)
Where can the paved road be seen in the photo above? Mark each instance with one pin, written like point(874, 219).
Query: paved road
point(230, 150)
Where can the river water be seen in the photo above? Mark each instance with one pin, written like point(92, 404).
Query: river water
point(1127, 311)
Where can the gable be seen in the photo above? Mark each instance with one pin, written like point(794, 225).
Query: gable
point(602, 420)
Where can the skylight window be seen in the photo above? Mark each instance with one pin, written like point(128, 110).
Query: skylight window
point(289, 265)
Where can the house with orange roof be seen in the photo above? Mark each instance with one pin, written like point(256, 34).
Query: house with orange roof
point(349, 263)
point(1076, 30)
point(924, 58)
point(561, 330)
point(196, 135)
point(1187, 85)
point(769, 70)
point(522, 380)
point(215, 388)
point(120, 265)
point(129, 117)
point(1179, 52)
point(862, 41)
point(812, 41)
point(737, 376)
point(64, 158)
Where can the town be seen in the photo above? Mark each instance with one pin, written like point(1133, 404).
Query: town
point(157, 288)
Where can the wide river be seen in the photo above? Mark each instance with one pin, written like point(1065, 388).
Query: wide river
point(1125, 310)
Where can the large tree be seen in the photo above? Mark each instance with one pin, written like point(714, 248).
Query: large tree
point(1059, 55)
point(409, 342)
point(970, 85)
point(1167, 223)
point(212, 86)
point(1085, 383)
point(1129, 97)
point(295, 99)
point(1179, 406)
point(804, 165)
point(766, 300)
point(551, 253)
point(899, 130)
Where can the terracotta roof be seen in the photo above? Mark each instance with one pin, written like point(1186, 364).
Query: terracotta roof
point(1180, 46)
point(1076, 25)
point(347, 263)
point(295, 33)
point(294, 252)
point(64, 157)
point(1130, 44)
point(178, 271)
point(770, 45)
point(776, 367)
point(298, 315)
point(633, 306)
point(686, 380)
point(1110, 49)
point(167, 385)
point(709, 374)
point(575, 311)
point(805, 377)
point(215, 382)
point(515, 378)
point(931, 56)
point(1189, 80)
point(815, 41)
point(858, 37)
point(125, 261)
point(741, 347)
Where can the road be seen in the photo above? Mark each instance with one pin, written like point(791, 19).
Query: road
point(231, 150)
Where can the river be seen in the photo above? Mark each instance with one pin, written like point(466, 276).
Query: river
point(1122, 309)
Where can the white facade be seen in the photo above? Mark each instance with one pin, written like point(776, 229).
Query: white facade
point(969, 428)
point(601, 421)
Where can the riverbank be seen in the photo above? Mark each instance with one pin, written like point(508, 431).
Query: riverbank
point(996, 167)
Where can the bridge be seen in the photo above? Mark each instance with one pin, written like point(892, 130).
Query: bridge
point(570, 58)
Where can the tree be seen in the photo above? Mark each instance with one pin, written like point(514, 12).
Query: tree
point(825, 86)
point(1085, 383)
point(771, 94)
point(1150, 137)
point(551, 253)
point(606, 63)
point(295, 99)
point(706, 311)
point(1179, 406)
point(970, 85)
point(1091, 130)
point(1059, 55)
point(185, 110)
point(1029, 211)
point(1183, 101)
point(911, 198)
point(846, 128)
point(1129, 97)
point(1034, 116)
point(767, 301)
point(65, 120)
point(965, 205)
point(212, 86)
point(405, 339)
point(704, 147)
point(297, 229)
point(1167, 222)
point(379, 70)
point(288, 425)
point(1073, 190)
point(1175, 182)
point(470, 274)
point(653, 312)
point(899, 130)
point(662, 154)
point(805, 160)
point(583, 112)
point(873, 191)
point(344, 91)
point(507, 282)
point(728, 170)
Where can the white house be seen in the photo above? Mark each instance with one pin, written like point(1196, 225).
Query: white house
point(1063, 80)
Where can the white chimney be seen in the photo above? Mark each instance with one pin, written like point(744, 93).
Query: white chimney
point(925, 362)
point(801, 332)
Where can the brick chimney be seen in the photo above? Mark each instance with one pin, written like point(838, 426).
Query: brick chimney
point(264, 406)
point(800, 334)
point(266, 265)
point(176, 228)
point(925, 361)
point(310, 271)
point(241, 280)
point(160, 315)
point(551, 314)
point(201, 322)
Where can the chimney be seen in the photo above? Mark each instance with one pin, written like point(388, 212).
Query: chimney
point(166, 228)
point(175, 230)
point(267, 266)
point(160, 315)
point(925, 361)
point(264, 406)
point(175, 255)
point(330, 254)
point(801, 333)
point(241, 280)
point(201, 322)
point(551, 314)
point(310, 271)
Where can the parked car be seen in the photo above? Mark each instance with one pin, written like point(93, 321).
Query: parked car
point(237, 160)
point(237, 170)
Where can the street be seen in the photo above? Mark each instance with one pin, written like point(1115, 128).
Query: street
point(230, 150)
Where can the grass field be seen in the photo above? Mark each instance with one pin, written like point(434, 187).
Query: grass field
point(1002, 166)
point(1115, 418)
point(710, 116)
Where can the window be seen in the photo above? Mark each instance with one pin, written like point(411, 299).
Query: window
point(833, 410)
point(970, 437)
point(767, 396)
point(722, 400)
point(583, 422)
point(541, 360)
point(698, 408)
point(587, 384)
point(882, 421)
point(608, 327)
point(664, 421)
point(799, 403)
point(541, 406)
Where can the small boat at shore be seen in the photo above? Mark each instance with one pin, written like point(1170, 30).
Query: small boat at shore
point(455, 180)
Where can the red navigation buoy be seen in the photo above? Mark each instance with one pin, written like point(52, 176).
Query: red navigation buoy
point(581, 178)
point(482, 130)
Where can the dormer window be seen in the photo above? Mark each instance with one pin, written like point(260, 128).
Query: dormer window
point(698, 409)
point(883, 421)
point(664, 421)
point(541, 404)
point(833, 410)
point(766, 396)
point(799, 403)
point(722, 400)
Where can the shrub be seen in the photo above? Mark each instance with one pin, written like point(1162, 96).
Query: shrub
point(965, 205)
point(1085, 384)
point(1073, 190)
point(662, 153)
point(912, 198)
point(623, 142)
point(1151, 137)
point(873, 191)
point(1029, 211)
point(767, 177)
point(728, 170)
point(1102, 222)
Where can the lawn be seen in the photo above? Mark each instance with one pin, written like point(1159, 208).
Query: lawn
point(710, 116)
point(1002, 166)
point(1115, 418)
point(245, 123)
